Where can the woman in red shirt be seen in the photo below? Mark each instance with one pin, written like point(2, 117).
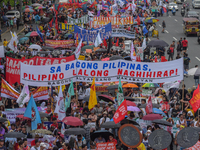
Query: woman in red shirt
point(111, 139)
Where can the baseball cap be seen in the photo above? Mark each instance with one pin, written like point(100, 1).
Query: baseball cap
point(43, 144)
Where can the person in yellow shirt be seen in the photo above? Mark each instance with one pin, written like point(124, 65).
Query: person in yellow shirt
point(5, 43)
point(141, 147)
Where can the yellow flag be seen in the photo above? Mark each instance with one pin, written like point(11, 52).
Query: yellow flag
point(93, 97)
point(63, 88)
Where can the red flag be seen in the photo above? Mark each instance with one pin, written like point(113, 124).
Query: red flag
point(56, 24)
point(105, 43)
point(51, 23)
point(117, 44)
point(58, 7)
point(138, 20)
point(163, 59)
point(195, 100)
point(156, 60)
point(91, 5)
point(136, 30)
point(121, 112)
point(108, 15)
point(54, 9)
point(149, 106)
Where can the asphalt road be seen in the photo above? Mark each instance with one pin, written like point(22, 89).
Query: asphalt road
point(173, 32)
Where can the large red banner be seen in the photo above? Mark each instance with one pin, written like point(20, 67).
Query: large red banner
point(13, 65)
point(59, 43)
point(195, 100)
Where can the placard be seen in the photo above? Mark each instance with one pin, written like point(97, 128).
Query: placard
point(106, 146)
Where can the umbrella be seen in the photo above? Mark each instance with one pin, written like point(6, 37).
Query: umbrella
point(129, 103)
point(196, 128)
point(151, 20)
point(154, 106)
point(152, 117)
point(42, 52)
point(106, 59)
point(35, 46)
point(35, 5)
point(151, 85)
point(133, 108)
point(75, 131)
point(116, 48)
point(14, 135)
point(72, 47)
point(23, 40)
point(127, 58)
point(158, 111)
point(87, 47)
point(194, 71)
point(129, 98)
point(4, 18)
point(129, 121)
point(28, 10)
point(3, 119)
point(39, 7)
point(106, 98)
point(112, 87)
point(45, 20)
point(31, 34)
point(22, 117)
point(42, 131)
point(25, 54)
point(103, 133)
point(116, 57)
point(26, 7)
point(110, 124)
point(42, 114)
point(157, 43)
point(47, 48)
point(72, 121)
point(101, 50)
point(130, 85)
point(162, 122)
point(86, 98)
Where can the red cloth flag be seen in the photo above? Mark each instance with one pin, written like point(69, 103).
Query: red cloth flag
point(156, 60)
point(54, 9)
point(117, 44)
point(163, 59)
point(51, 23)
point(149, 106)
point(108, 15)
point(195, 100)
point(105, 43)
point(121, 112)
point(136, 30)
point(56, 24)
point(138, 20)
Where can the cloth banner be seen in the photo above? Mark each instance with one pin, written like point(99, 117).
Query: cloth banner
point(90, 35)
point(103, 71)
point(8, 91)
point(146, 92)
point(59, 43)
point(106, 146)
point(113, 20)
point(2, 51)
point(41, 93)
point(123, 33)
point(69, 27)
point(139, 52)
point(13, 65)
point(84, 20)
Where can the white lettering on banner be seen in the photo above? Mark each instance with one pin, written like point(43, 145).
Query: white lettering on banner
point(103, 71)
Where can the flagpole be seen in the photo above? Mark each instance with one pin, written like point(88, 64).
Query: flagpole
point(76, 92)
point(182, 93)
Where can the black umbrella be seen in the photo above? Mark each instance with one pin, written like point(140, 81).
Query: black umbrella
point(86, 98)
point(138, 127)
point(116, 57)
point(25, 54)
point(196, 128)
point(154, 106)
point(112, 87)
point(162, 122)
point(110, 124)
point(47, 48)
point(103, 133)
point(75, 131)
point(129, 98)
point(14, 135)
point(106, 98)
point(157, 43)
point(46, 20)
point(101, 50)
point(72, 47)
point(42, 52)
point(127, 58)
point(129, 121)
point(42, 114)
point(58, 48)
point(3, 119)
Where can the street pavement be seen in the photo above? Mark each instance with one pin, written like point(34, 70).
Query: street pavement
point(173, 32)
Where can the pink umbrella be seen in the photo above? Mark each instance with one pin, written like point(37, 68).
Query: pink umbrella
point(72, 121)
point(152, 117)
point(105, 59)
point(129, 103)
point(133, 108)
point(22, 117)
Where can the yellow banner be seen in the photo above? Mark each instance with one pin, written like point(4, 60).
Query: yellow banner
point(64, 26)
point(81, 57)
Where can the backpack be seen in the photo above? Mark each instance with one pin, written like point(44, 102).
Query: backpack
point(186, 61)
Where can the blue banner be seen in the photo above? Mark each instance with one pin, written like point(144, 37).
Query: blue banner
point(90, 35)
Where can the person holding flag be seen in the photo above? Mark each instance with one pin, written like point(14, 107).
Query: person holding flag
point(93, 97)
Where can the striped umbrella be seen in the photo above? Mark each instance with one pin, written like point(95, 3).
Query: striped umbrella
point(26, 7)
point(28, 10)
point(150, 85)
point(39, 7)
point(33, 33)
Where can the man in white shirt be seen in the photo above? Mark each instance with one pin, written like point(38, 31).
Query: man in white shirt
point(104, 119)
point(181, 122)
point(151, 30)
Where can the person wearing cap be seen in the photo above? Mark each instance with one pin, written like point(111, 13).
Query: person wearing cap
point(36, 146)
point(2, 147)
point(189, 117)
point(104, 119)
point(42, 146)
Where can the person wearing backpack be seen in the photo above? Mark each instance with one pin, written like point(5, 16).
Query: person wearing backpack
point(186, 61)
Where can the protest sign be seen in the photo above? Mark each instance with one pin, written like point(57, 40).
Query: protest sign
point(8, 91)
point(41, 93)
point(81, 57)
point(103, 71)
point(90, 35)
point(84, 20)
point(69, 27)
point(123, 33)
point(146, 92)
point(101, 89)
point(106, 146)
point(88, 50)
point(59, 43)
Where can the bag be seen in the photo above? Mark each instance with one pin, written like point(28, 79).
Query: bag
point(168, 51)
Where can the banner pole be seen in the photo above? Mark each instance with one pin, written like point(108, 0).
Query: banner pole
point(182, 93)
point(76, 92)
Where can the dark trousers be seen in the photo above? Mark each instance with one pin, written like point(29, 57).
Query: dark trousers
point(171, 55)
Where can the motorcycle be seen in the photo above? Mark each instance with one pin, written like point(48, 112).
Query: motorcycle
point(182, 12)
point(173, 12)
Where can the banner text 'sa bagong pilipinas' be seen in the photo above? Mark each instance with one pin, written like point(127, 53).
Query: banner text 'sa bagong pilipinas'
point(59, 43)
point(103, 71)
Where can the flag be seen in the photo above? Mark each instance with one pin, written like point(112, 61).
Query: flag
point(145, 31)
point(108, 2)
point(109, 44)
point(24, 96)
point(63, 128)
point(172, 84)
point(117, 44)
point(78, 49)
point(121, 3)
point(156, 60)
point(164, 8)
point(149, 106)
point(56, 23)
point(121, 112)
point(69, 94)
point(98, 40)
point(93, 97)
point(90, 14)
point(133, 7)
point(195, 100)
point(60, 105)
point(104, 42)
point(51, 23)
point(33, 113)
point(163, 59)
point(138, 20)
point(133, 54)
point(76, 39)
point(120, 96)
point(39, 33)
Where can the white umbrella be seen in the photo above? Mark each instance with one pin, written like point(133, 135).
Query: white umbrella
point(35, 5)
point(192, 71)
point(35, 46)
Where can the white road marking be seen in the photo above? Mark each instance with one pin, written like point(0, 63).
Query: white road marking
point(166, 31)
point(160, 25)
point(175, 20)
point(174, 38)
point(182, 25)
point(169, 16)
point(197, 58)
point(149, 39)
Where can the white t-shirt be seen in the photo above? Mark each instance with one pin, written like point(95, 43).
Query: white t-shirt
point(180, 122)
point(107, 120)
point(33, 148)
